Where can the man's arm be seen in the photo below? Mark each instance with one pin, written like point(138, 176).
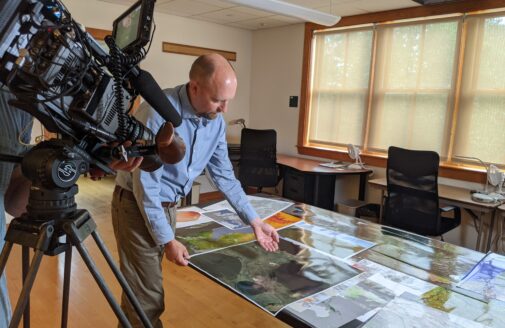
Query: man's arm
point(147, 189)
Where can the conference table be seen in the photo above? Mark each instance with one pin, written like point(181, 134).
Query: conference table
point(399, 267)
point(307, 181)
point(461, 197)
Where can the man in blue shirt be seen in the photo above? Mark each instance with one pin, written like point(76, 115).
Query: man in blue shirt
point(143, 206)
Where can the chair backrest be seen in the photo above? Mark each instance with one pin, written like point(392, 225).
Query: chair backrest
point(258, 158)
point(412, 185)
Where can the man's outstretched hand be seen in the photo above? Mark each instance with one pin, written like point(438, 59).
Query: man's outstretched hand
point(266, 235)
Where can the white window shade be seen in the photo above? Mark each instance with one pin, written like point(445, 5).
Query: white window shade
point(413, 88)
point(481, 124)
point(340, 82)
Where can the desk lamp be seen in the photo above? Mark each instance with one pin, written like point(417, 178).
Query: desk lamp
point(493, 177)
point(353, 152)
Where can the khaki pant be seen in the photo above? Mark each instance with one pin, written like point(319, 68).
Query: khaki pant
point(139, 259)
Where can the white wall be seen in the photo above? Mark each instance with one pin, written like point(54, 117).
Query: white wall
point(276, 75)
point(172, 69)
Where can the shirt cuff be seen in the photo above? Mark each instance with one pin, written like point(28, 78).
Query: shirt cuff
point(161, 231)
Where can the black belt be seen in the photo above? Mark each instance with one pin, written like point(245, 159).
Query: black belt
point(130, 196)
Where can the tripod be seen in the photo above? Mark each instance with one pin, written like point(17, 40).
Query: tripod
point(52, 214)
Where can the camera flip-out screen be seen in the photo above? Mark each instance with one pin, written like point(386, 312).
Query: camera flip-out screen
point(132, 29)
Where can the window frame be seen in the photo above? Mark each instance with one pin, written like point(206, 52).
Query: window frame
point(459, 171)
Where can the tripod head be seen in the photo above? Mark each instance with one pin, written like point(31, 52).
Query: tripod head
point(53, 167)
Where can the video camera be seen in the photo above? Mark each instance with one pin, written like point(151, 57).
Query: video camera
point(62, 76)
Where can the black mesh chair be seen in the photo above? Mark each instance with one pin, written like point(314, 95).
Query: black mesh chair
point(412, 194)
point(258, 159)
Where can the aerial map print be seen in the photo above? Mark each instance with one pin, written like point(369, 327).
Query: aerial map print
point(265, 207)
point(227, 217)
point(452, 263)
point(371, 290)
point(209, 236)
point(273, 280)
point(405, 312)
point(345, 224)
point(487, 277)
point(329, 241)
point(490, 314)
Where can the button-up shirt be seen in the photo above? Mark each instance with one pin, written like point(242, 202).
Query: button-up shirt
point(206, 147)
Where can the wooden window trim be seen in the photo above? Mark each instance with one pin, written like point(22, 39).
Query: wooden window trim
point(449, 170)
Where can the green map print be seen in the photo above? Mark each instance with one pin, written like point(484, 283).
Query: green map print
point(205, 237)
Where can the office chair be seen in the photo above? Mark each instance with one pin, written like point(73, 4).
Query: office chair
point(258, 159)
point(412, 194)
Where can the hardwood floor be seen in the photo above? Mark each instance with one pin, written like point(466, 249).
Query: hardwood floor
point(191, 299)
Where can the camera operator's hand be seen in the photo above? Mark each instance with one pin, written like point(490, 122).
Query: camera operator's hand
point(117, 165)
point(130, 165)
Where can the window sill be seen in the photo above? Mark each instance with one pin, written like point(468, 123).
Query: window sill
point(446, 169)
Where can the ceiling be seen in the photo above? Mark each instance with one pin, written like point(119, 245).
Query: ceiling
point(225, 13)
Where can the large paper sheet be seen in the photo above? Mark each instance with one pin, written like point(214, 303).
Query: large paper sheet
point(197, 212)
point(361, 297)
point(325, 240)
point(265, 207)
point(209, 236)
point(404, 312)
point(450, 263)
point(487, 277)
point(357, 298)
point(273, 280)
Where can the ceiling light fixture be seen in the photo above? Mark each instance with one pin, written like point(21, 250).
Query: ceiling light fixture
point(289, 9)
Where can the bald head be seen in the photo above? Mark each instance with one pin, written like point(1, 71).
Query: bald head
point(206, 66)
point(212, 84)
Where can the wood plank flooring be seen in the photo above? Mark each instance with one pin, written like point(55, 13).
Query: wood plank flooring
point(192, 300)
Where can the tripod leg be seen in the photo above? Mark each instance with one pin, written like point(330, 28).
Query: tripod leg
point(27, 287)
point(101, 283)
point(25, 259)
point(122, 281)
point(66, 287)
point(4, 256)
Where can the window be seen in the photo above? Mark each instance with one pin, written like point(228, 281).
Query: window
point(413, 83)
point(340, 86)
point(435, 84)
point(480, 128)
